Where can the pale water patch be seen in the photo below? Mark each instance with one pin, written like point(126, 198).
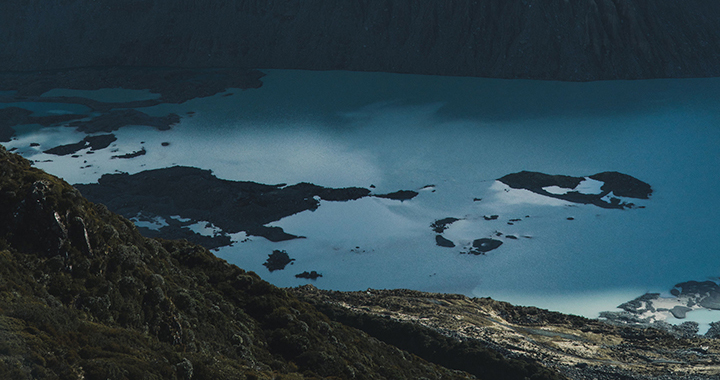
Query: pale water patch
point(557, 190)
point(586, 186)
point(507, 195)
point(205, 229)
point(702, 316)
point(154, 223)
point(589, 186)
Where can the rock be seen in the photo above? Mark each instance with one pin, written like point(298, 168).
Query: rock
point(443, 242)
point(441, 225)
point(680, 312)
point(401, 195)
point(714, 331)
point(481, 246)
point(313, 275)
point(687, 330)
point(196, 194)
point(134, 154)
point(623, 185)
point(616, 183)
point(92, 142)
point(277, 260)
point(711, 301)
point(695, 287)
point(491, 217)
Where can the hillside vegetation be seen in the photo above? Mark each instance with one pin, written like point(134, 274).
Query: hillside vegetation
point(84, 295)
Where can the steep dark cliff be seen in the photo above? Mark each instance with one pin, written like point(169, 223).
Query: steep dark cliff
point(543, 39)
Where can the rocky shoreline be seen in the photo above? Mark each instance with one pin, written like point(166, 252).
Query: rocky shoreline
point(653, 310)
point(172, 85)
point(183, 196)
point(577, 347)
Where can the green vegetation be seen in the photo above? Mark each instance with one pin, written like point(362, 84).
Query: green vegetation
point(83, 294)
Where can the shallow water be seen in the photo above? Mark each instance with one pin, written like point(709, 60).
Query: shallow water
point(459, 134)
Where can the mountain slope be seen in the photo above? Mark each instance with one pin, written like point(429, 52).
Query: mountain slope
point(84, 295)
point(541, 39)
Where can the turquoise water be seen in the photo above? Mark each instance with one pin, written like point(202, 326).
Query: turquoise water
point(459, 134)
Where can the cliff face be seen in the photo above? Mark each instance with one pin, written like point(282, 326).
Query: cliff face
point(542, 39)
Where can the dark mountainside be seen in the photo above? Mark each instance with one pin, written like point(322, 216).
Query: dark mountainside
point(575, 40)
point(84, 295)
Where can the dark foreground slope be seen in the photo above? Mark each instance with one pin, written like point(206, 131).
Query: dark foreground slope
point(543, 39)
point(84, 295)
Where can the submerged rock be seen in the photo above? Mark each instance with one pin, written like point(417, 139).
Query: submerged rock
point(443, 242)
point(680, 312)
point(481, 246)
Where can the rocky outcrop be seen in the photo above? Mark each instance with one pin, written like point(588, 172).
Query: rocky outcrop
point(575, 40)
point(651, 309)
point(610, 188)
point(277, 260)
point(198, 196)
point(92, 142)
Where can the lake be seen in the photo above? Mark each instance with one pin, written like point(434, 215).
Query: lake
point(449, 139)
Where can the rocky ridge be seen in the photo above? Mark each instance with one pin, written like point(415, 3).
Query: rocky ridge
point(577, 347)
